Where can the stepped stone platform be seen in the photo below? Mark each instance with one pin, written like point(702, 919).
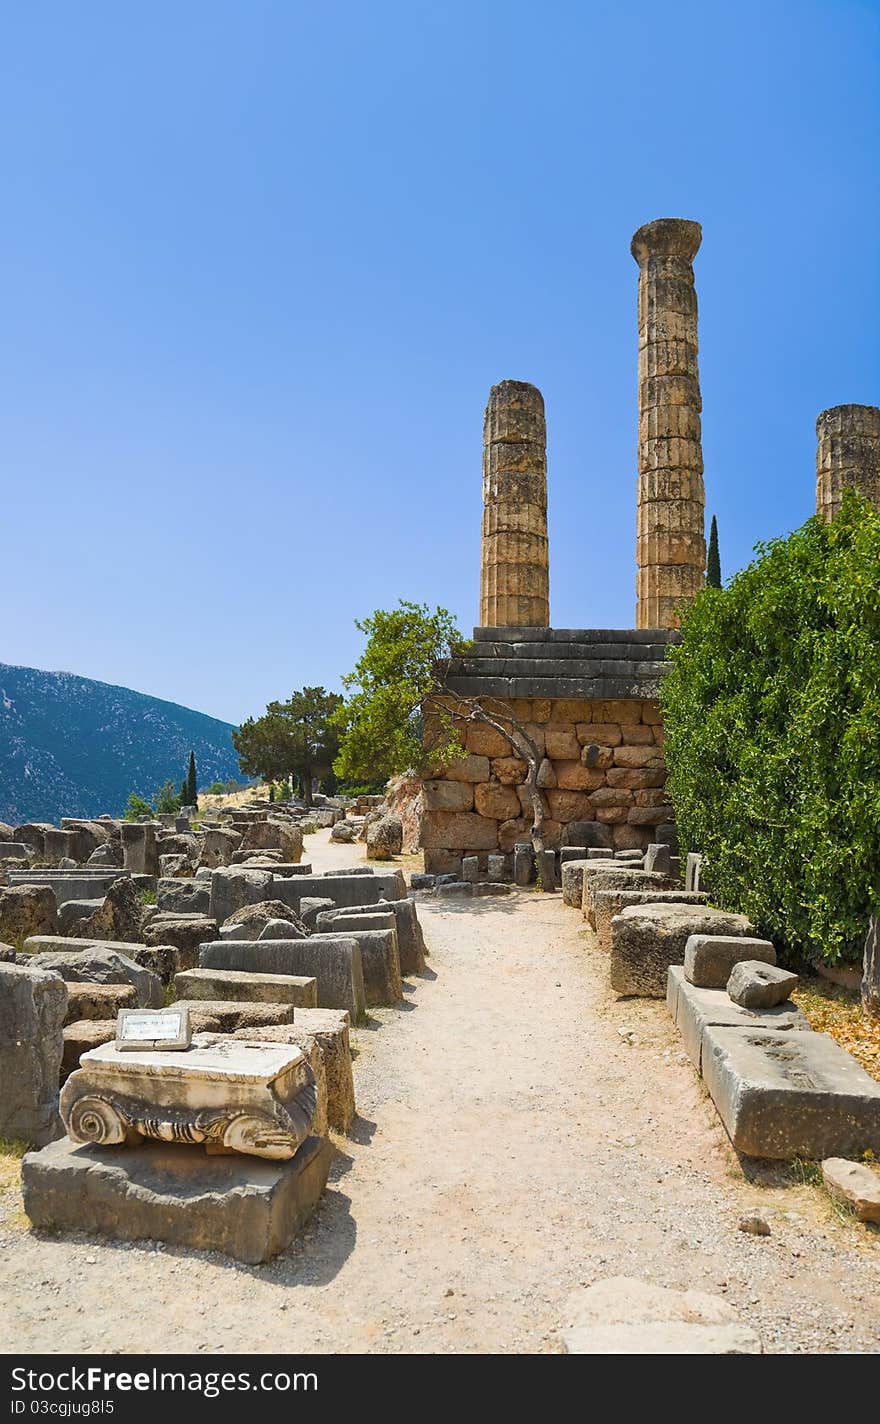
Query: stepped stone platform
point(589, 663)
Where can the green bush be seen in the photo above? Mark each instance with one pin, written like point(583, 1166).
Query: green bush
point(772, 717)
point(137, 806)
point(217, 788)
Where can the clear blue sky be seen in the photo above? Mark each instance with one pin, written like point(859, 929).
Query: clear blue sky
point(262, 262)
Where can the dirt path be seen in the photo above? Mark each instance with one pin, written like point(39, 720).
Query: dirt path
point(512, 1145)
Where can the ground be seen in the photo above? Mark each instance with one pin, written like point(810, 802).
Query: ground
point(521, 1133)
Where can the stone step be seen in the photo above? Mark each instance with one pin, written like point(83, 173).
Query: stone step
point(237, 985)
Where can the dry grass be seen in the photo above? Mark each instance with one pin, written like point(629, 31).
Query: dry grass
point(11, 1154)
point(837, 1011)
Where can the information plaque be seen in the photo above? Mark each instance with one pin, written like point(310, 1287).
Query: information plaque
point(166, 1029)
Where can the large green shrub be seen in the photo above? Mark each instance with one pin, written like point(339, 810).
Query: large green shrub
point(772, 716)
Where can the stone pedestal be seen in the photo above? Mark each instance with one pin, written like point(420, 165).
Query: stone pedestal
point(247, 1208)
point(140, 853)
point(670, 542)
point(514, 560)
point(847, 455)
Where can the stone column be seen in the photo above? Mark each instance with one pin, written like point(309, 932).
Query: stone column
point(514, 565)
point(848, 454)
point(670, 535)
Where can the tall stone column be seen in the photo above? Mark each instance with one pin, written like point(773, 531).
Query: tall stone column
point(670, 534)
point(514, 564)
point(848, 454)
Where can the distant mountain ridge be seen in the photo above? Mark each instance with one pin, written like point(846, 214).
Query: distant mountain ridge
point(70, 746)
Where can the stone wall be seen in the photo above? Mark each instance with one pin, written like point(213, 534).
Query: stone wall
point(603, 763)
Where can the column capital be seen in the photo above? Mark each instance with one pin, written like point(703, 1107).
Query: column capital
point(667, 237)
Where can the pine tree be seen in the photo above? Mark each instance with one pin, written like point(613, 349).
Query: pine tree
point(713, 560)
point(192, 791)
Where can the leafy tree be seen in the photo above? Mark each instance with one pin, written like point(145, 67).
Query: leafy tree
point(713, 559)
point(167, 800)
point(292, 738)
point(217, 788)
point(137, 806)
point(401, 715)
point(772, 717)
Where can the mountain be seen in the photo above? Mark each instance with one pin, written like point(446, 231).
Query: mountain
point(73, 747)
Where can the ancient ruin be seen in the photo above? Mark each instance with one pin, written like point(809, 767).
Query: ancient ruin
point(847, 455)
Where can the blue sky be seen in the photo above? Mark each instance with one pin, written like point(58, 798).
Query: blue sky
point(261, 264)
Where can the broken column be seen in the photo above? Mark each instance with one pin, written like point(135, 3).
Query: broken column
point(847, 455)
point(514, 563)
point(670, 537)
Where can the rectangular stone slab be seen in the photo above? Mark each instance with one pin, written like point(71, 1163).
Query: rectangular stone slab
point(247, 1208)
point(380, 962)
point(789, 1095)
point(341, 889)
point(211, 984)
point(695, 1009)
point(334, 962)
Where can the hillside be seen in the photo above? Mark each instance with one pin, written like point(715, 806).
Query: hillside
point(73, 747)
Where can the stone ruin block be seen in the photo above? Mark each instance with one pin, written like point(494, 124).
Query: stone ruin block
point(33, 1005)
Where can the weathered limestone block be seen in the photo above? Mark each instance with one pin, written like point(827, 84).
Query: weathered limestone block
point(588, 833)
point(140, 852)
point(245, 1207)
point(500, 802)
point(509, 770)
point(855, 1184)
point(573, 882)
point(709, 959)
point(754, 984)
point(94, 962)
point(184, 897)
point(608, 903)
point(238, 1096)
point(400, 914)
point(448, 796)
point(233, 985)
point(482, 740)
point(218, 847)
point(458, 830)
point(561, 743)
point(659, 857)
point(33, 1004)
point(250, 921)
point(380, 962)
point(847, 455)
point(514, 579)
point(272, 834)
point(523, 863)
point(574, 776)
point(119, 916)
point(81, 1036)
point(98, 1001)
point(232, 887)
point(468, 768)
point(384, 838)
point(333, 961)
point(694, 1010)
point(33, 834)
point(646, 939)
point(330, 1029)
point(26, 910)
point(222, 1016)
point(617, 877)
point(787, 1095)
point(185, 932)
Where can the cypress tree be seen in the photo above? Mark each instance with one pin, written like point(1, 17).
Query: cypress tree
point(713, 560)
point(192, 792)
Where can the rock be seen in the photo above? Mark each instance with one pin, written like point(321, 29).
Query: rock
point(694, 1010)
point(626, 1316)
point(27, 910)
point(218, 848)
point(329, 1029)
point(380, 961)
point(573, 882)
point(616, 876)
point(281, 929)
point(274, 834)
point(470, 868)
point(709, 959)
point(646, 939)
point(310, 907)
point(33, 1004)
point(453, 887)
point(185, 932)
point(787, 1095)
point(101, 964)
point(659, 857)
point(67, 863)
point(224, 1016)
point(179, 867)
point(118, 918)
point(385, 838)
point(234, 887)
point(421, 882)
point(492, 887)
point(140, 853)
point(250, 921)
point(73, 913)
point(7, 954)
point(754, 1225)
point(757, 985)
point(109, 855)
point(187, 897)
point(588, 833)
point(854, 1183)
point(344, 832)
point(608, 903)
point(98, 1001)
point(238, 986)
point(498, 868)
point(245, 1207)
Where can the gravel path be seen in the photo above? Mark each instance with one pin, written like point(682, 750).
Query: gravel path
point(521, 1134)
